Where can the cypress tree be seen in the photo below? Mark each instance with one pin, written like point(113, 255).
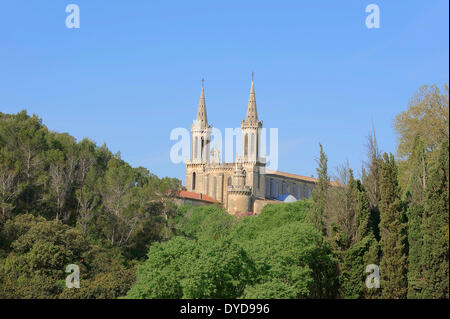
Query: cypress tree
point(393, 267)
point(415, 195)
point(320, 193)
point(435, 248)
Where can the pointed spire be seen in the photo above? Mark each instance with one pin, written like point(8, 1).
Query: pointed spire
point(202, 119)
point(252, 113)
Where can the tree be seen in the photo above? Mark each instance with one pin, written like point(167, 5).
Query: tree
point(352, 234)
point(393, 267)
point(215, 255)
point(41, 250)
point(371, 179)
point(320, 193)
point(161, 274)
point(9, 185)
point(88, 200)
point(117, 195)
point(435, 249)
point(354, 262)
point(23, 138)
point(415, 196)
point(427, 116)
point(343, 207)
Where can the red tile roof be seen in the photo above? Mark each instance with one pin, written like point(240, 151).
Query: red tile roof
point(196, 196)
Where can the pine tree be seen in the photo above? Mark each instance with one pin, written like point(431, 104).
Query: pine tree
point(415, 195)
point(436, 228)
point(393, 267)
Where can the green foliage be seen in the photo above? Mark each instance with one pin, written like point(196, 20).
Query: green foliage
point(355, 260)
point(61, 200)
point(427, 117)
point(185, 268)
point(273, 255)
point(64, 201)
point(320, 193)
point(415, 196)
point(435, 249)
point(208, 222)
point(393, 265)
point(353, 240)
point(41, 250)
point(85, 186)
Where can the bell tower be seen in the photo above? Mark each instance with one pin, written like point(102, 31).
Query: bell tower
point(201, 132)
point(196, 180)
point(251, 145)
point(251, 129)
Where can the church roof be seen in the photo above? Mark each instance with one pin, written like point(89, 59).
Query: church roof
point(196, 196)
point(300, 177)
point(295, 176)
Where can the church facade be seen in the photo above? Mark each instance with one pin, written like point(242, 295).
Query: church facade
point(244, 185)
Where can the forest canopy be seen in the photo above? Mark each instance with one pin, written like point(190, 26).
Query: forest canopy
point(64, 201)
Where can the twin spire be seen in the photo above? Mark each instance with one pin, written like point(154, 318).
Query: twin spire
point(252, 112)
point(202, 118)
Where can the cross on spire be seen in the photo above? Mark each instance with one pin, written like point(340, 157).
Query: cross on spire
point(203, 82)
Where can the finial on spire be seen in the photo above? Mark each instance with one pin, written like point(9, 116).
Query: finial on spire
point(203, 82)
point(253, 76)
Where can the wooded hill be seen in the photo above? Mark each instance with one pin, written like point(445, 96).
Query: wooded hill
point(65, 202)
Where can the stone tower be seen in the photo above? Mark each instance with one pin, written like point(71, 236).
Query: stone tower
point(196, 179)
point(239, 194)
point(251, 145)
point(201, 132)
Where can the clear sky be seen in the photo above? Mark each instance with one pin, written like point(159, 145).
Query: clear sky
point(133, 70)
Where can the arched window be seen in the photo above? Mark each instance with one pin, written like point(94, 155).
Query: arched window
point(245, 177)
point(215, 187)
point(298, 191)
point(252, 144)
point(196, 148)
point(246, 145)
point(259, 181)
point(193, 180)
point(201, 150)
point(229, 181)
point(257, 146)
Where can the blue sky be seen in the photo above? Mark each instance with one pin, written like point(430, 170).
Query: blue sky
point(133, 71)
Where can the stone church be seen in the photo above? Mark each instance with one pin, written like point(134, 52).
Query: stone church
point(245, 185)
